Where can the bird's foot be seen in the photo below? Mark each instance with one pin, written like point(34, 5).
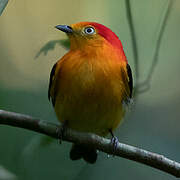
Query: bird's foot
point(114, 141)
point(60, 131)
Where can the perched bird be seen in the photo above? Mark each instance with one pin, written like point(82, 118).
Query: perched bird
point(89, 84)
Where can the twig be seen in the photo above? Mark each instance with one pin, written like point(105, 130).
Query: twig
point(144, 86)
point(50, 45)
point(3, 4)
point(123, 150)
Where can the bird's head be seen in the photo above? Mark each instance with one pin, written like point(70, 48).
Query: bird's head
point(90, 34)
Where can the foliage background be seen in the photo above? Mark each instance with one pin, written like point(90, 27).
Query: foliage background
point(26, 26)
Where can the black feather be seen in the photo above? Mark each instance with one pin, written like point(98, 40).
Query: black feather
point(50, 83)
point(130, 82)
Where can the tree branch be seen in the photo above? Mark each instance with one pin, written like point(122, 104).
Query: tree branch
point(123, 150)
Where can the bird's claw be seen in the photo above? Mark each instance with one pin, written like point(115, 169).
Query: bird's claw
point(114, 142)
point(60, 131)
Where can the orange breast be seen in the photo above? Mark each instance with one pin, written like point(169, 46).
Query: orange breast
point(90, 91)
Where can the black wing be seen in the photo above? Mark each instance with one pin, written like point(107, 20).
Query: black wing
point(130, 82)
point(50, 84)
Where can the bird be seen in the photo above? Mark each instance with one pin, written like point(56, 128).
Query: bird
point(90, 84)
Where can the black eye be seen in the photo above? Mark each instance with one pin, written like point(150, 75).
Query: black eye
point(89, 30)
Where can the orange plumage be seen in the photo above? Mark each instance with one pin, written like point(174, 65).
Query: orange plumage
point(90, 83)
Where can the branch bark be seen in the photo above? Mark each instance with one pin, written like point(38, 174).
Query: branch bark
point(123, 150)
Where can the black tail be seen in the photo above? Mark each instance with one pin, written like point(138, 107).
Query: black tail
point(80, 151)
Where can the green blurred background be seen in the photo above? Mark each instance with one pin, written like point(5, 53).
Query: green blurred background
point(26, 26)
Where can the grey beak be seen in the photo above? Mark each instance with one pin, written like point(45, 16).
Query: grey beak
point(64, 28)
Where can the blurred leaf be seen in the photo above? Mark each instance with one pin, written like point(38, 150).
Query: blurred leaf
point(45, 141)
point(31, 147)
point(51, 45)
point(3, 4)
point(35, 143)
point(65, 43)
point(6, 174)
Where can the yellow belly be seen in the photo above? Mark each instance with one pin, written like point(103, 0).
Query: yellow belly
point(88, 116)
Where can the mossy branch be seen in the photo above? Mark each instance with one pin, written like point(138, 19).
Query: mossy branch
point(123, 150)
